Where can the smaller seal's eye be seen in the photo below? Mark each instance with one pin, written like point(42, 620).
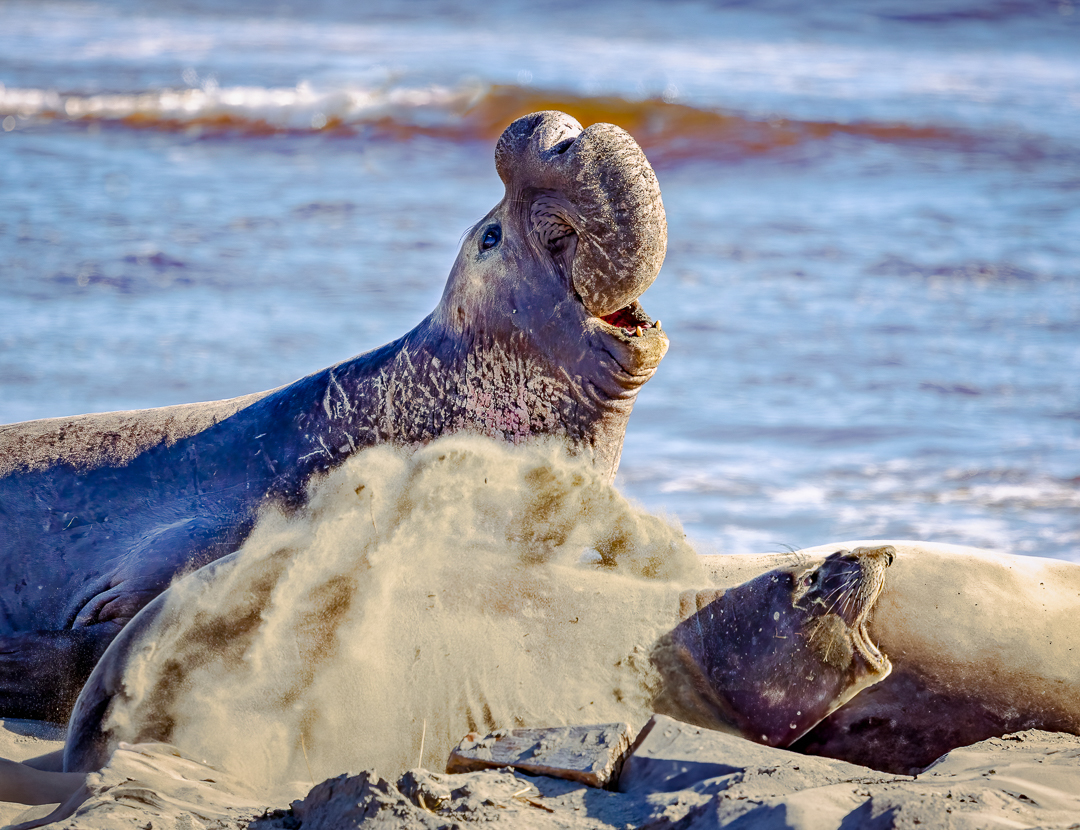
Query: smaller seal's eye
point(491, 238)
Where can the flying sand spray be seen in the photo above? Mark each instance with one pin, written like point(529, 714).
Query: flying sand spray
point(416, 597)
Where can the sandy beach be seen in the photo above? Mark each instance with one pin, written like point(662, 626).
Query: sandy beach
point(677, 776)
point(21, 740)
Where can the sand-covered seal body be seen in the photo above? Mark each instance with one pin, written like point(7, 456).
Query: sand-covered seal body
point(726, 666)
point(771, 658)
point(982, 644)
point(538, 333)
point(431, 586)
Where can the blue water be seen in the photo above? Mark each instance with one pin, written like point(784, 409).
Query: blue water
point(873, 280)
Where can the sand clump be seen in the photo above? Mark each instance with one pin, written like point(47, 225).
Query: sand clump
point(417, 596)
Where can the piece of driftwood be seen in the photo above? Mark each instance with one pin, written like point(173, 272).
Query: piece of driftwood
point(591, 755)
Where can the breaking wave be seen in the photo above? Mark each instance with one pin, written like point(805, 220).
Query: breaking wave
point(668, 131)
point(418, 596)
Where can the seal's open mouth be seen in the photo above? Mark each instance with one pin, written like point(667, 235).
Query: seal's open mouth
point(631, 338)
point(848, 585)
point(631, 319)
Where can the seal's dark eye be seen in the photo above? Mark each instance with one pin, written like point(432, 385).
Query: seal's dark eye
point(491, 238)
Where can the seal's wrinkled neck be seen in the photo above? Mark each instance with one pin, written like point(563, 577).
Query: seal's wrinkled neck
point(539, 331)
point(431, 383)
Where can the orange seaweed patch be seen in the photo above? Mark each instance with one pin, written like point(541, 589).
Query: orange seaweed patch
point(209, 123)
point(220, 124)
point(671, 132)
point(668, 132)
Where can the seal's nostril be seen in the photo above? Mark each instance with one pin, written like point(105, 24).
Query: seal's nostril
point(562, 146)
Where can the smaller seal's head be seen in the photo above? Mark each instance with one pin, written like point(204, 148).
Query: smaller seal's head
point(771, 658)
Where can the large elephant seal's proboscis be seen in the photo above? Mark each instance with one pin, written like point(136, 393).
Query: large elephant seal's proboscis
point(538, 333)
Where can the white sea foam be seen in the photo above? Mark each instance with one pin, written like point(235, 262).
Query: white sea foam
point(697, 56)
point(422, 594)
point(302, 107)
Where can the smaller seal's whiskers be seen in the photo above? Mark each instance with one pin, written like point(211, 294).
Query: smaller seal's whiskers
point(840, 590)
point(848, 596)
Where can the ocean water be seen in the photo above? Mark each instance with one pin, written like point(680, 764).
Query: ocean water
point(872, 286)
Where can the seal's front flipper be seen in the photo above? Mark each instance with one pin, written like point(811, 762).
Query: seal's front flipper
point(60, 783)
point(41, 672)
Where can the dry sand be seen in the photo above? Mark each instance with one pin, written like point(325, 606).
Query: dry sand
point(678, 776)
point(21, 740)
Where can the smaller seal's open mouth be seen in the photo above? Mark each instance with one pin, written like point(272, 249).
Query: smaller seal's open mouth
point(632, 319)
point(850, 584)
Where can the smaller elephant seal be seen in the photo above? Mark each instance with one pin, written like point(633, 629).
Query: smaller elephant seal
point(771, 658)
point(538, 334)
point(792, 651)
point(982, 644)
point(768, 659)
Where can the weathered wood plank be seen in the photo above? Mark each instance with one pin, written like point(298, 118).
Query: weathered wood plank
point(591, 755)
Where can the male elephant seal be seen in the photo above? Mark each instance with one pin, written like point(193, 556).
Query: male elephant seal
point(538, 333)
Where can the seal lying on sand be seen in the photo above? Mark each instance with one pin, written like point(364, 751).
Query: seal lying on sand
point(779, 629)
point(887, 656)
point(538, 332)
point(814, 655)
point(768, 659)
point(982, 644)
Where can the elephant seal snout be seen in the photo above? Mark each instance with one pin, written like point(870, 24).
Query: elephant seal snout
point(771, 658)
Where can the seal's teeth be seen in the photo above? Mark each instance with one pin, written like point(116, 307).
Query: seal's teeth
point(637, 331)
point(657, 324)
